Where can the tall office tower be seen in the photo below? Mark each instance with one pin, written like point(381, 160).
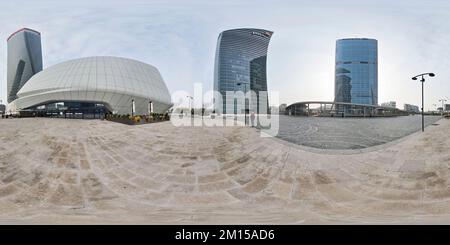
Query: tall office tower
point(24, 59)
point(356, 71)
point(240, 65)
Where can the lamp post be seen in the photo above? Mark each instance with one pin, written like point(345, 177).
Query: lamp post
point(422, 80)
point(442, 111)
point(132, 108)
point(448, 99)
point(190, 107)
point(150, 107)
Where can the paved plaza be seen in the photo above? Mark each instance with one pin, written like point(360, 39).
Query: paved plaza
point(349, 133)
point(56, 171)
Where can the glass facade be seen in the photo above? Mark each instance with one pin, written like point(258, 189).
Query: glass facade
point(240, 65)
point(356, 71)
point(24, 59)
point(68, 109)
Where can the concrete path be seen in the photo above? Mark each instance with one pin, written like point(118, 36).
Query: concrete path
point(81, 171)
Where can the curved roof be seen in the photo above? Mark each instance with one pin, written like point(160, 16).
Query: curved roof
point(263, 31)
point(22, 29)
point(356, 38)
point(111, 74)
point(111, 80)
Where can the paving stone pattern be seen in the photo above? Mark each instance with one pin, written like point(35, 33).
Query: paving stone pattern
point(56, 171)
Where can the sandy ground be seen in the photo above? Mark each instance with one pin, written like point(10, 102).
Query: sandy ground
point(56, 171)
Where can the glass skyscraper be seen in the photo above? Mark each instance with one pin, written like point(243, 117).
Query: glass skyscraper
point(24, 59)
point(356, 71)
point(240, 65)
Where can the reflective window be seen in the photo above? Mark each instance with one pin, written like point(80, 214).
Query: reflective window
point(241, 63)
point(356, 77)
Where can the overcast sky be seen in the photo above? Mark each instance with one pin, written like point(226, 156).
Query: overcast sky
point(179, 38)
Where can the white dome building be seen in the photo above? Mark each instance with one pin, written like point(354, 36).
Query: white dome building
point(112, 82)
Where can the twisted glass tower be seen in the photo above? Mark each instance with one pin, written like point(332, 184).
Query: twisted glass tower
point(356, 73)
point(240, 65)
point(24, 59)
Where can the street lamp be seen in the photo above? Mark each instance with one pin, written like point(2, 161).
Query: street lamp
point(422, 80)
point(442, 111)
point(150, 107)
point(448, 99)
point(190, 107)
point(133, 108)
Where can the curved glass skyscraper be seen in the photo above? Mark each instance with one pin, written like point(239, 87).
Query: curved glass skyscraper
point(356, 74)
point(24, 59)
point(240, 65)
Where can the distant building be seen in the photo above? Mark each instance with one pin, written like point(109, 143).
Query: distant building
point(391, 104)
point(356, 71)
point(447, 107)
point(411, 108)
point(2, 109)
point(274, 109)
point(282, 108)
